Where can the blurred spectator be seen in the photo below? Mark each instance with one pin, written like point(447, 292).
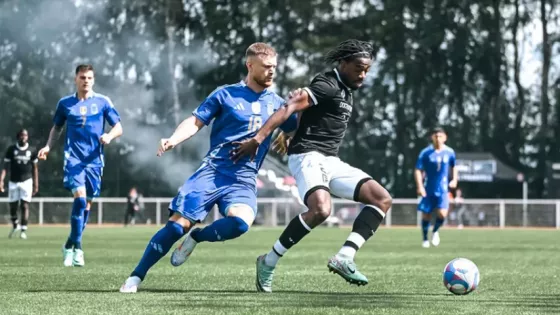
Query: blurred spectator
point(134, 206)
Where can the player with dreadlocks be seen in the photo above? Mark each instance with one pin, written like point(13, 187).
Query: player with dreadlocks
point(325, 107)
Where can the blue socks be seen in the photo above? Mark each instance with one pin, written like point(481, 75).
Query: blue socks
point(158, 247)
point(221, 230)
point(77, 222)
point(425, 228)
point(438, 224)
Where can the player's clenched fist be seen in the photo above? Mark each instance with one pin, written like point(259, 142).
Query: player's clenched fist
point(43, 153)
point(105, 139)
point(165, 145)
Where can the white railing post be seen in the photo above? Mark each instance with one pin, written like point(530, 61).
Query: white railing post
point(158, 212)
point(558, 214)
point(99, 212)
point(41, 211)
point(274, 210)
point(388, 218)
point(418, 218)
point(502, 214)
point(287, 217)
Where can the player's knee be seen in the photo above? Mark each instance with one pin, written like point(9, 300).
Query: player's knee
point(319, 205)
point(79, 192)
point(243, 212)
point(374, 194)
point(239, 227)
point(321, 210)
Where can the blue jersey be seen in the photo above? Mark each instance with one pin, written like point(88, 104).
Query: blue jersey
point(238, 114)
point(85, 123)
point(436, 165)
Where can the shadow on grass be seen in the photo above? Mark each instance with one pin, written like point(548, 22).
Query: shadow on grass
point(241, 299)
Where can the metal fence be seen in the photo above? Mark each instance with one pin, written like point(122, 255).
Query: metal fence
point(279, 211)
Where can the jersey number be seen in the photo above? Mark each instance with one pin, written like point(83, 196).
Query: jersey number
point(255, 123)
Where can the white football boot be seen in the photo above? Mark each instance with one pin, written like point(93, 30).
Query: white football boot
point(435, 239)
point(67, 256)
point(131, 285)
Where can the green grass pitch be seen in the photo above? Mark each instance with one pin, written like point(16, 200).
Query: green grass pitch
point(520, 274)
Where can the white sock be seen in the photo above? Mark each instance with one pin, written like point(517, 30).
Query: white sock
point(278, 250)
point(349, 251)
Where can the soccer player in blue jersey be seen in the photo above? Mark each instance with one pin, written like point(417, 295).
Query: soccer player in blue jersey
point(237, 112)
point(84, 113)
point(435, 163)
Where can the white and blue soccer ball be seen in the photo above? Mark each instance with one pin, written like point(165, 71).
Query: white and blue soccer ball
point(461, 276)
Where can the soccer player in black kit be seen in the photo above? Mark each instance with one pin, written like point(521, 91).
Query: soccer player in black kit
point(325, 107)
point(21, 160)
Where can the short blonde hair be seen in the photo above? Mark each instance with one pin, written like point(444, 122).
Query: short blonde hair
point(258, 49)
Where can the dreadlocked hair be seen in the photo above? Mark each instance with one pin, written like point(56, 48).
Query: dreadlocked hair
point(350, 49)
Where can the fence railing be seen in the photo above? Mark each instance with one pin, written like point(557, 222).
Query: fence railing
point(279, 211)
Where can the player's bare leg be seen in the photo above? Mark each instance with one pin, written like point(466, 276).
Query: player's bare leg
point(14, 218)
point(24, 218)
point(319, 209)
point(377, 202)
point(158, 247)
point(441, 215)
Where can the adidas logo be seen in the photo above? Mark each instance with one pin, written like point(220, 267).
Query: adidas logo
point(240, 106)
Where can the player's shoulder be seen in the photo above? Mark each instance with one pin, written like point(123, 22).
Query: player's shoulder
point(226, 89)
point(104, 98)
point(11, 148)
point(327, 78)
point(67, 99)
point(449, 149)
point(427, 150)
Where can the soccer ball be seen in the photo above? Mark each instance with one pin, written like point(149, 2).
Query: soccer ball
point(461, 276)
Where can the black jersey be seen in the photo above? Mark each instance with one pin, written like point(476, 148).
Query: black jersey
point(324, 123)
point(20, 160)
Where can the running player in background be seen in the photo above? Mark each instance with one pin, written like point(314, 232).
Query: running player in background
point(433, 167)
point(21, 161)
point(84, 114)
point(238, 111)
point(325, 107)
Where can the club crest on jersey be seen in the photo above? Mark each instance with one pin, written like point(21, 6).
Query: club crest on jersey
point(15, 152)
point(270, 108)
point(445, 159)
point(343, 94)
point(28, 154)
point(83, 110)
point(94, 109)
point(256, 107)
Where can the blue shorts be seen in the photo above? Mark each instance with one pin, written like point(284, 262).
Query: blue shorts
point(78, 176)
point(431, 203)
point(207, 187)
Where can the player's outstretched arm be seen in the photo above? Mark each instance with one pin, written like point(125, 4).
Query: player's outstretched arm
point(115, 132)
point(186, 129)
point(249, 147)
point(54, 134)
point(2, 177)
